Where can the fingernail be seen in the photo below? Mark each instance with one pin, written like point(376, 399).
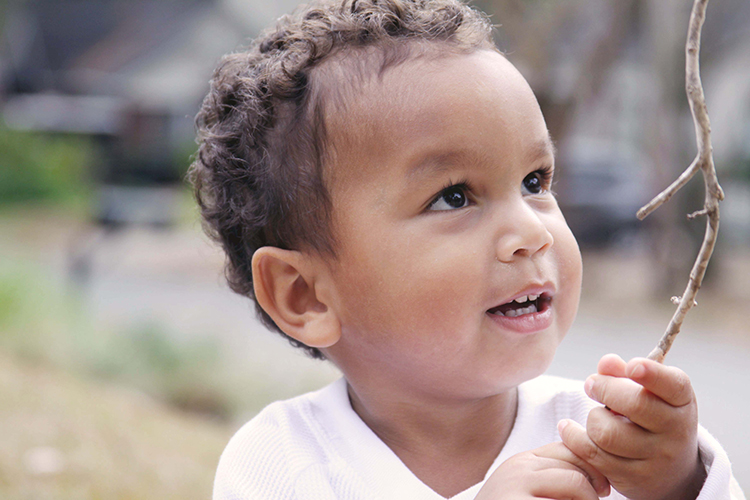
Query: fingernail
point(638, 372)
point(561, 425)
point(588, 385)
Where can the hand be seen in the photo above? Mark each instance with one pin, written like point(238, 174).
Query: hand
point(645, 441)
point(550, 472)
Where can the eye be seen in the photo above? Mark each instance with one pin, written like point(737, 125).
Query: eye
point(538, 181)
point(451, 198)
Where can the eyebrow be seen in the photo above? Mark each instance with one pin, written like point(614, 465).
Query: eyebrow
point(438, 163)
point(435, 164)
point(541, 149)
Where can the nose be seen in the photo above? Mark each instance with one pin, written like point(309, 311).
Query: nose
point(523, 234)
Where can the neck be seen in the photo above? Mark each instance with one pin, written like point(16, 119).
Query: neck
point(448, 445)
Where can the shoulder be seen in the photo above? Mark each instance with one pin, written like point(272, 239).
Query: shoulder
point(555, 398)
point(551, 386)
point(720, 483)
point(268, 455)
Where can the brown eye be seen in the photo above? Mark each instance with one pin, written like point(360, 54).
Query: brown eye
point(454, 197)
point(450, 198)
point(532, 183)
point(538, 182)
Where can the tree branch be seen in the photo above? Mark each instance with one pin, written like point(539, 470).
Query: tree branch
point(703, 162)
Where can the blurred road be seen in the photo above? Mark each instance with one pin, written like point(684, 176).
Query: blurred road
point(174, 278)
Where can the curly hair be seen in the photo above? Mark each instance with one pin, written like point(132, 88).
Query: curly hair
point(258, 175)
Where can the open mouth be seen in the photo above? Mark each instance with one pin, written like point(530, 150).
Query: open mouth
point(527, 304)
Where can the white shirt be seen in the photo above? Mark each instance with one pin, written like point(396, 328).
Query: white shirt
point(315, 447)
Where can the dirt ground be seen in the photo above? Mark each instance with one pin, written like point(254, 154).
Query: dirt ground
point(67, 438)
point(174, 277)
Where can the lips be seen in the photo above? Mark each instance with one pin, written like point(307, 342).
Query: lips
point(528, 312)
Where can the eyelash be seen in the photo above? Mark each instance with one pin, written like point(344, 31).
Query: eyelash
point(545, 175)
point(463, 185)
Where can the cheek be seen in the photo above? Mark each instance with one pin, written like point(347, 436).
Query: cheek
point(570, 269)
point(410, 287)
point(574, 265)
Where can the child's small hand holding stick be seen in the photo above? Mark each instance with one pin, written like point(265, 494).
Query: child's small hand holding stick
point(647, 444)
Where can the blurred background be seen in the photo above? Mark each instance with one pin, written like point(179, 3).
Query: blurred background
point(125, 361)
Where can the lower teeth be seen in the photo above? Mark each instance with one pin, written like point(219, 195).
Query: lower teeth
point(512, 313)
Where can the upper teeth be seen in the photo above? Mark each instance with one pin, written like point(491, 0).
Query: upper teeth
point(525, 298)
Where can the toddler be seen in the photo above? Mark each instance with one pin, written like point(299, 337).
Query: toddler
point(379, 176)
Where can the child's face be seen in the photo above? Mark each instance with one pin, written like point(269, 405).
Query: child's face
point(442, 213)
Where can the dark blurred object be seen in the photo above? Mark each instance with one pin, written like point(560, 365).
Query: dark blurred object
point(130, 74)
point(84, 67)
point(600, 191)
point(128, 77)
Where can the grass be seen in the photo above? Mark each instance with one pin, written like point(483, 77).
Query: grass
point(106, 442)
point(44, 322)
point(105, 408)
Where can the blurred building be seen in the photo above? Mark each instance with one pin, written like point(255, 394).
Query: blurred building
point(129, 73)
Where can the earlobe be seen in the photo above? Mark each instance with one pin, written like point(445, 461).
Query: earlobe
point(290, 287)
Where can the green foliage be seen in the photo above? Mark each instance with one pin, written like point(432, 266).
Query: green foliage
point(183, 155)
point(184, 373)
point(10, 298)
point(42, 167)
point(740, 169)
point(43, 322)
point(26, 312)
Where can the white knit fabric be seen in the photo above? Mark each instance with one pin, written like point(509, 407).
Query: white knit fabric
point(315, 447)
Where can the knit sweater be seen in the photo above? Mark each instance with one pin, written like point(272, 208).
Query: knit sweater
point(315, 447)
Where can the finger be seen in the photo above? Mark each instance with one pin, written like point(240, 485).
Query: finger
point(563, 483)
point(566, 458)
point(667, 382)
point(577, 440)
point(619, 436)
point(625, 397)
point(612, 365)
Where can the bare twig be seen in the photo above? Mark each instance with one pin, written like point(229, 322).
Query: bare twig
point(665, 195)
point(705, 163)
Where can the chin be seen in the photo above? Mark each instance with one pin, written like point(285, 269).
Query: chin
point(534, 367)
point(504, 382)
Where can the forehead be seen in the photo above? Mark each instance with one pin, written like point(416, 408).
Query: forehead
point(426, 111)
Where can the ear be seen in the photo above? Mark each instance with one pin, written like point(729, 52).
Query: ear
point(292, 288)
